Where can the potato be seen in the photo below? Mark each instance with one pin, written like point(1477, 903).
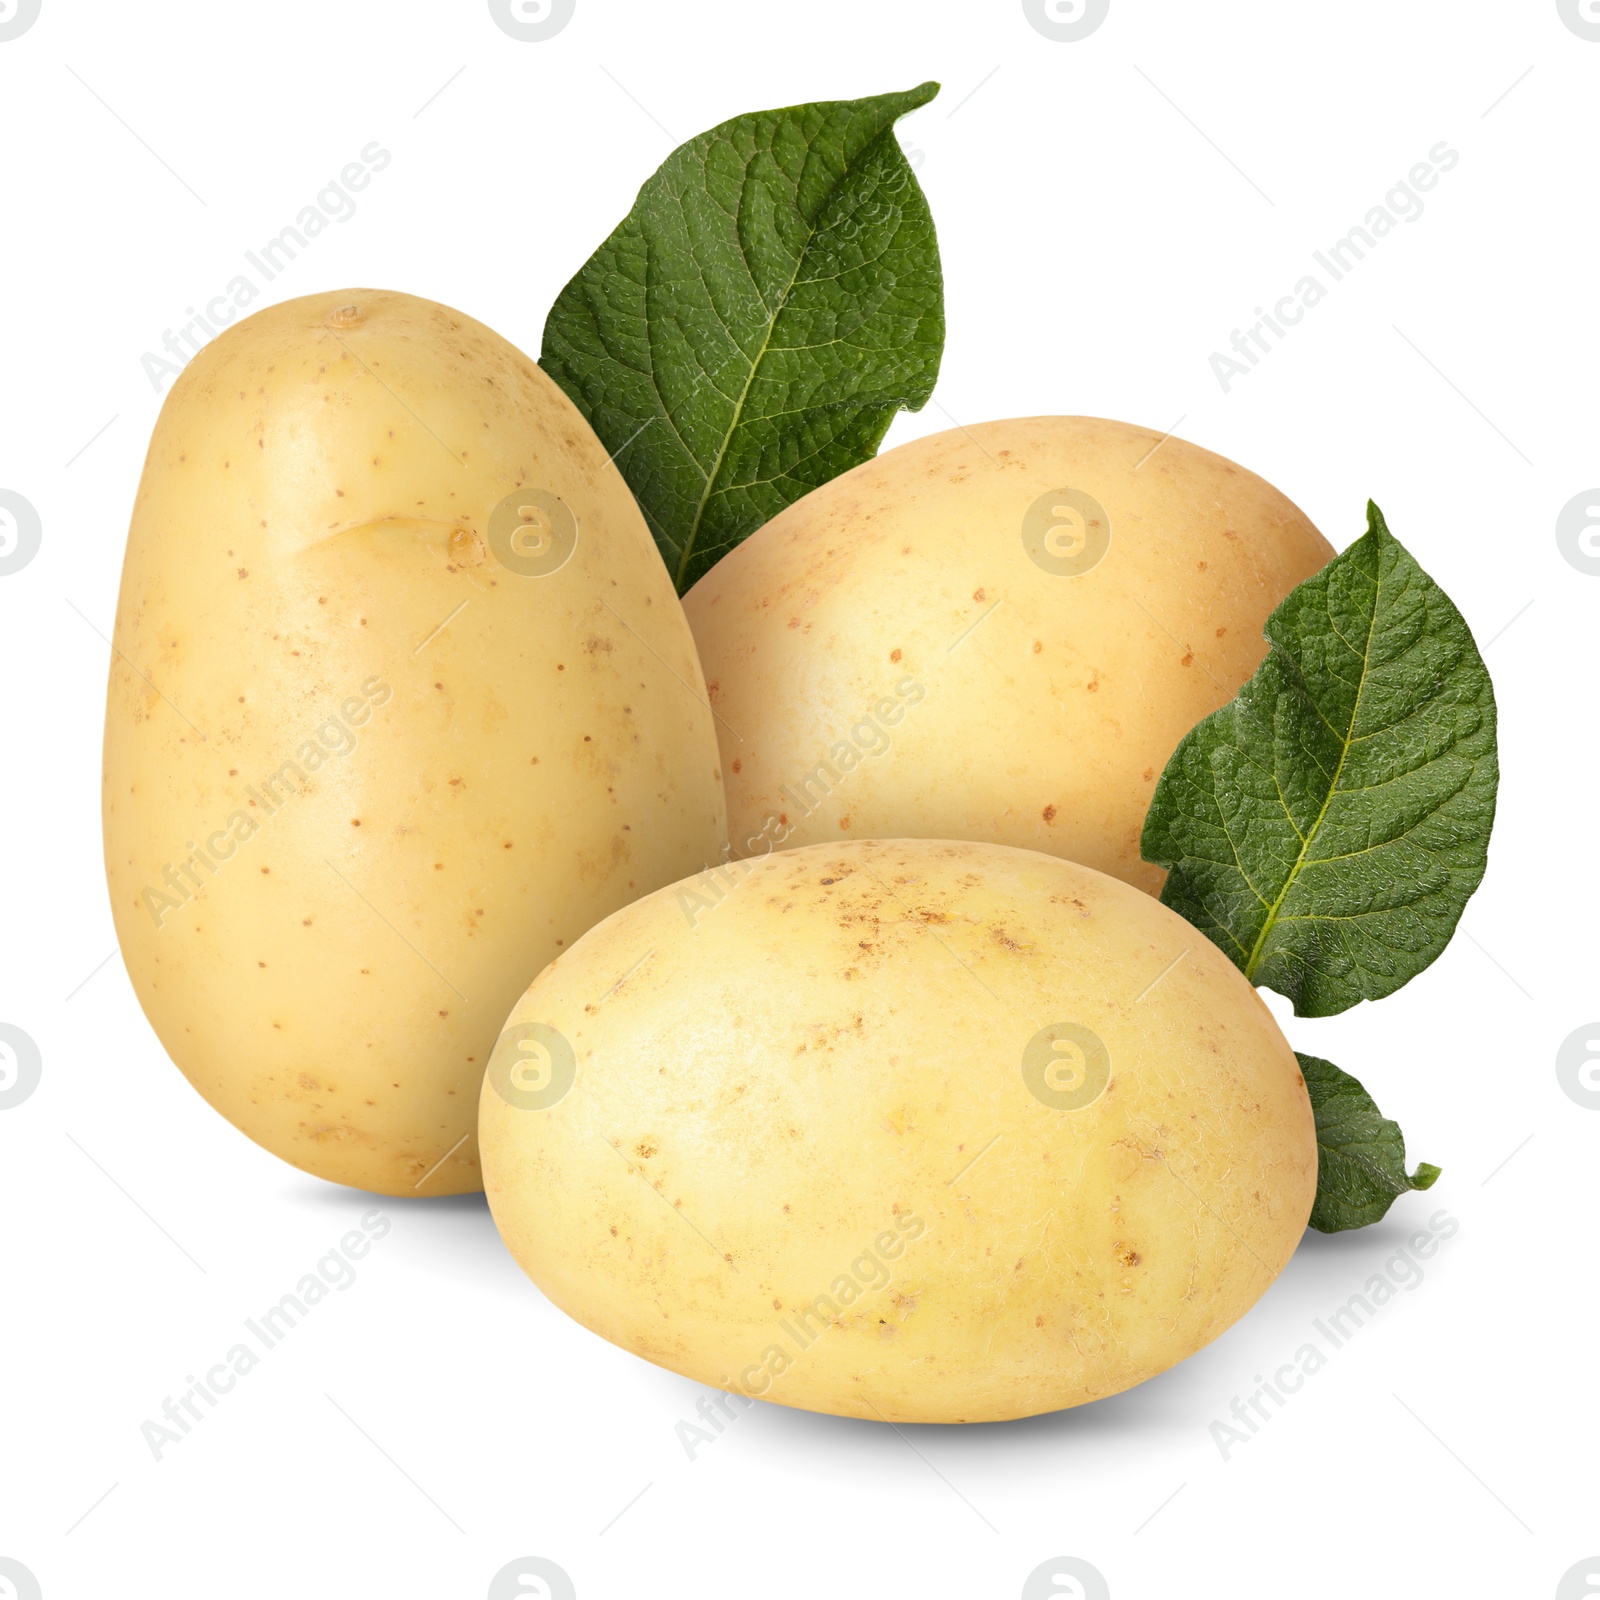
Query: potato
point(1001, 633)
point(932, 1132)
point(375, 750)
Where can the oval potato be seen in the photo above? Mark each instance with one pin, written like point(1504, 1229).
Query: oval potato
point(362, 777)
point(943, 644)
point(931, 1132)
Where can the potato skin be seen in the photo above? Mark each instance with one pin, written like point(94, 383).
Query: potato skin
point(1048, 705)
point(798, 1158)
point(484, 762)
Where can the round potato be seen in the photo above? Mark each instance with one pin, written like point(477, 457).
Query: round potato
point(401, 703)
point(925, 1131)
point(1000, 632)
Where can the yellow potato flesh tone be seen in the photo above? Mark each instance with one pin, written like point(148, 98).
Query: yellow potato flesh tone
point(888, 659)
point(799, 1156)
point(362, 779)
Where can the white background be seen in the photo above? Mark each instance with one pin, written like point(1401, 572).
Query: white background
point(440, 1418)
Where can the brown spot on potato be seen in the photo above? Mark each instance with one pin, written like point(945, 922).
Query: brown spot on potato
point(1049, 813)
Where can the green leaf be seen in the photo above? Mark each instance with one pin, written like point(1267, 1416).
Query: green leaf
point(752, 326)
point(1361, 1155)
point(1327, 827)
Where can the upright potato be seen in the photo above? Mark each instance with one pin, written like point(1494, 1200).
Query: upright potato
point(933, 1132)
point(1000, 632)
point(401, 702)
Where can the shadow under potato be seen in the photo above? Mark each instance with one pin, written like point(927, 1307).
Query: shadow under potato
point(454, 1236)
point(1173, 1406)
point(441, 1236)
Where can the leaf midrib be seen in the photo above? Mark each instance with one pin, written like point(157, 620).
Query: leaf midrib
point(693, 533)
point(1346, 740)
point(738, 410)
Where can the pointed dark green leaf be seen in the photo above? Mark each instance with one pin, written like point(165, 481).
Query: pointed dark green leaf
point(1327, 827)
point(1361, 1155)
point(753, 325)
